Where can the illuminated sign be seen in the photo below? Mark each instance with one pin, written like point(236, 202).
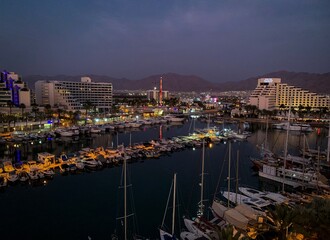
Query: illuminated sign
point(268, 80)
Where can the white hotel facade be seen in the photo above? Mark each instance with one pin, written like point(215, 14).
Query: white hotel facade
point(73, 95)
point(271, 94)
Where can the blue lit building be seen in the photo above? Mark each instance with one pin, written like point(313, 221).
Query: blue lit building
point(14, 90)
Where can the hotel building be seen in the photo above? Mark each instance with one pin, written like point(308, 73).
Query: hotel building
point(74, 95)
point(14, 90)
point(271, 94)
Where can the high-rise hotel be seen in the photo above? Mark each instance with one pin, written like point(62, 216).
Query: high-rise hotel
point(74, 95)
point(271, 94)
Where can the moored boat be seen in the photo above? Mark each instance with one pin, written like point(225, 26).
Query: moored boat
point(237, 198)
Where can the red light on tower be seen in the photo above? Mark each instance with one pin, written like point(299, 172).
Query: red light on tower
point(160, 91)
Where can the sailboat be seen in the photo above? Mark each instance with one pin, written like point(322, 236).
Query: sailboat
point(275, 198)
point(266, 153)
point(294, 177)
point(128, 231)
point(164, 235)
point(242, 217)
point(199, 227)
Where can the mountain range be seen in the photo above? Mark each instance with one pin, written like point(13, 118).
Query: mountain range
point(314, 82)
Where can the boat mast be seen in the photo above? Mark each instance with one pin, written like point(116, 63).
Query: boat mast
point(304, 147)
point(328, 150)
point(286, 147)
point(237, 176)
point(125, 200)
point(266, 137)
point(229, 156)
point(318, 168)
point(201, 205)
point(174, 197)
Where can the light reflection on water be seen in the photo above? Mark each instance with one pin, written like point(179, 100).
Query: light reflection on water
point(87, 204)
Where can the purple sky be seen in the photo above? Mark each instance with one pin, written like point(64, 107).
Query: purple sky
point(216, 40)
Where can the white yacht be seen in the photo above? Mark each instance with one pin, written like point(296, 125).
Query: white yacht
point(240, 199)
point(276, 198)
point(90, 162)
point(293, 127)
point(298, 127)
point(279, 126)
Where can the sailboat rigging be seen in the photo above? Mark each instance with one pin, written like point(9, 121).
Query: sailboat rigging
point(286, 148)
point(128, 232)
point(199, 227)
point(163, 234)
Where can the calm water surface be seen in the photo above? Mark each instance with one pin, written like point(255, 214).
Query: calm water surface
point(87, 204)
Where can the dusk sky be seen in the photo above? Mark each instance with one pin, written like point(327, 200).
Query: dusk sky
point(216, 40)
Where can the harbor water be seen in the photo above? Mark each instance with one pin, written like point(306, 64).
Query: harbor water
point(89, 203)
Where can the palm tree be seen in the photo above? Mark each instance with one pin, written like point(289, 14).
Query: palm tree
point(2, 117)
point(314, 218)
point(70, 117)
point(11, 118)
point(47, 109)
point(76, 115)
point(282, 107)
point(300, 111)
point(308, 109)
point(26, 116)
point(59, 114)
point(227, 233)
point(87, 106)
point(114, 108)
point(323, 111)
point(35, 110)
point(266, 112)
point(293, 111)
point(248, 108)
point(273, 112)
point(22, 107)
point(283, 217)
point(253, 109)
point(10, 105)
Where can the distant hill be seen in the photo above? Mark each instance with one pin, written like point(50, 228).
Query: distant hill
point(314, 82)
point(117, 83)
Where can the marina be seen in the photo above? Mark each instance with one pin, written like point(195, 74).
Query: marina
point(85, 201)
point(165, 120)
